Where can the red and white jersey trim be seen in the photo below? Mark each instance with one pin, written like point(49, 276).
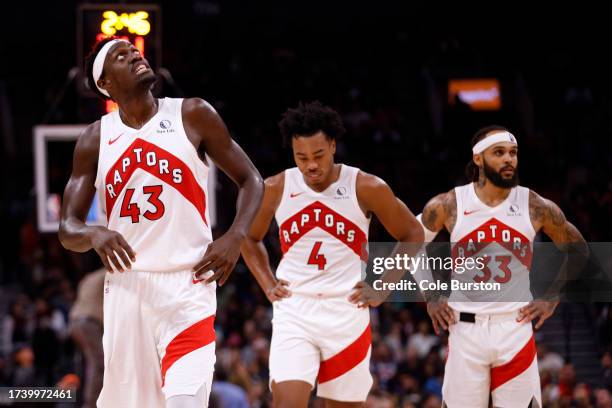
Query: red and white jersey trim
point(323, 235)
point(153, 188)
point(503, 235)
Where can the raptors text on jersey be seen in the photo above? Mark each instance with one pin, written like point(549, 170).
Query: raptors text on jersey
point(503, 235)
point(153, 188)
point(323, 235)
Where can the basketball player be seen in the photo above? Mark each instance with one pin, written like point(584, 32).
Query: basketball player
point(321, 324)
point(143, 160)
point(491, 343)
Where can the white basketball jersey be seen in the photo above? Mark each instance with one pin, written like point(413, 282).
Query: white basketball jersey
point(323, 235)
point(153, 188)
point(503, 236)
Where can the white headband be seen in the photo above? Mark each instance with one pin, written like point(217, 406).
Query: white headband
point(493, 139)
point(98, 64)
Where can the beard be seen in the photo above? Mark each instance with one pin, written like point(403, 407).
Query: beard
point(497, 179)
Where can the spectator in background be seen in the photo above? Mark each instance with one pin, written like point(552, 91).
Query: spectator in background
point(226, 394)
point(4, 381)
point(563, 392)
point(47, 340)
point(432, 401)
point(602, 398)
point(582, 396)
point(24, 372)
point(86, 317)
point(423, 340)
point(17, 326)
point(383, 365)
point(549, 360)
point(377, 399)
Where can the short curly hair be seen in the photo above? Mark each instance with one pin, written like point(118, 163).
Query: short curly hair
point(89, 61)
point(308, 119)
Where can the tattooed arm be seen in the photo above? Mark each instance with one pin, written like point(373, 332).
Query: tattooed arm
point(547, 217)
point(440, 212)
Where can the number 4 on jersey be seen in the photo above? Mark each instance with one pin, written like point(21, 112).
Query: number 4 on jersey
point(316, 258)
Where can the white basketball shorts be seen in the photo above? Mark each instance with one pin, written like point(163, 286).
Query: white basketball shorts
point(159, 338)
point(494, 355)
point(322, 340)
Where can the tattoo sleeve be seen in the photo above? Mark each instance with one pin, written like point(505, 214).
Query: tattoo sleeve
point(430, 216)
point(450, 206)
point(548, 217)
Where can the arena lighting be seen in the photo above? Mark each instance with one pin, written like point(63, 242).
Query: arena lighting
point(479, 94)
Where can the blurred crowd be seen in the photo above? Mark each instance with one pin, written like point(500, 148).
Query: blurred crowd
point(400, 127)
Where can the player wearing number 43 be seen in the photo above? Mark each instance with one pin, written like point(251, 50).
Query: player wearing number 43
point(146, 162)
point(321, 327)
point(491, 344)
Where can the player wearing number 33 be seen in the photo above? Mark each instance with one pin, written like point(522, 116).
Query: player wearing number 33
point(321, 324)
point(145, 160)
point(491, 344)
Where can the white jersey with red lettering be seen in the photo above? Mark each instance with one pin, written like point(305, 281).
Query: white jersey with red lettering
point(502, 236)
point(323, 235)
point(318, 336)
point(153, 188)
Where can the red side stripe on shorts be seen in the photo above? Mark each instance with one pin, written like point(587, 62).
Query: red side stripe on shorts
point(348, 358)
point(192, 338)
point(519, 363)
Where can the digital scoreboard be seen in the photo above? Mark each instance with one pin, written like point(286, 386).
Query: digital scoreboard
point(138, 23)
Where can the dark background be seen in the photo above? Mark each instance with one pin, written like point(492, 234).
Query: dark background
point(385, 69)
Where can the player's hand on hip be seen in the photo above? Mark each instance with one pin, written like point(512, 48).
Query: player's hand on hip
point(537, 309)
point(364, 296)
point(112, 248)
point(220, 257)
point(279, 291)
point(441, 314)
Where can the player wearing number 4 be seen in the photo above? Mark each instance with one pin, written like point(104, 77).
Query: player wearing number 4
point(321, 324)
point(491, 344)
point(144, 160)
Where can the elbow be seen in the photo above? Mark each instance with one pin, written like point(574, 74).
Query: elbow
point(414, 235)
point(257, 185)
point(68, 240)
point(254, 182)
point(63, 236)
point(258, 181)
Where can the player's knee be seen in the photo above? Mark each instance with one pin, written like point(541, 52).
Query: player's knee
point(288, 403)
point(290, 395)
